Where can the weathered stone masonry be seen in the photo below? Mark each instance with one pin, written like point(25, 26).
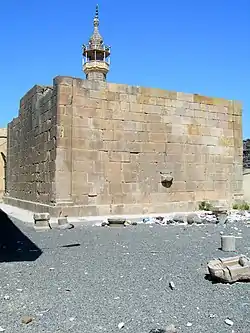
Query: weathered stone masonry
point(31, 150)
point(88, 148)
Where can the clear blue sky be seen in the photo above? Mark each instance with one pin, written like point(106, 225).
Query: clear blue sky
point(185, 45)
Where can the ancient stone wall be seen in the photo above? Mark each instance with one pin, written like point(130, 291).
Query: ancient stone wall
point(115, 140)
point(31, 150)
point(95, 148)
point(3, 152)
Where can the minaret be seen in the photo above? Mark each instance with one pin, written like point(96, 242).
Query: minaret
point(96, 59)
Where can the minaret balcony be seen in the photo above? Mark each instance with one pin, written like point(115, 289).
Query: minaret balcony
point(95, 65)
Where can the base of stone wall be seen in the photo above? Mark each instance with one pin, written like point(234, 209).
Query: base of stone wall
point(121, 209)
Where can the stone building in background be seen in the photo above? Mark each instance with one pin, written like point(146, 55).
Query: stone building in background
point(88, 147)
point(3, 149)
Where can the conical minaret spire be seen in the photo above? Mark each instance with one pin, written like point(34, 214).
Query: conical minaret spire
point(96, 54)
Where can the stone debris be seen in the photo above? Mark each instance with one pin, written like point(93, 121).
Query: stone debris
point(2, 329)
point(229, 270)
point(193, 218)
point(27, 319)
point(172, 285)
point(65, 226)
point(105, 224)
point(41, 221)
point(157, 330)
point(134, 223)
point(6, 297)
point(62, 220)
point(179, 218)
point(189, 324)
point(212, 315)
point(229, 322)
point(218, 216)
point(171, 329)
point(121, 325)
point(238, 216)
point(116, 221)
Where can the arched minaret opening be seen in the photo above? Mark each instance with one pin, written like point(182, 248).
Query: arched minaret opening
point(96, 55)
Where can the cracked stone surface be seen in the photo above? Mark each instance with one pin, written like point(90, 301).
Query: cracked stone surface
point(91, 279)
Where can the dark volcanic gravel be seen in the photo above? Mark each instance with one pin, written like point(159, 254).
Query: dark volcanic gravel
point(90, 279)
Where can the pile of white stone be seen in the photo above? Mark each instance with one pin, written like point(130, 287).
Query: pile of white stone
point(238, 216)
point(198, 217)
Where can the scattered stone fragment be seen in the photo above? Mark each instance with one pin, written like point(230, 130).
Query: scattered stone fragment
point(115, 221)
point(65, 226)
point(6, 297)
point(212, 315)
point(105, 224)
point(171, 329)
point(221, 214)
point(26, 319)
point(148, 220)
point(189, 324)
point(2, 329)
point(121, 325)
point(244, 261)
point(229, 270)
point(193, 218)
point(157, 330)
point(179, 218)
point(159, 219)
point(62, 220)
point(172, 285)
point(229, 322)
point(41, 221)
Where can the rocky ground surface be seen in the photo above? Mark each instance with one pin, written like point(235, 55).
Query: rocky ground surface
point(113, 279)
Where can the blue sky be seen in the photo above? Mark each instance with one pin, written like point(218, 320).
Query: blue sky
point(184, 45)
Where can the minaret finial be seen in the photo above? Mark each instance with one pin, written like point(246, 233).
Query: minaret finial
point(96, 19)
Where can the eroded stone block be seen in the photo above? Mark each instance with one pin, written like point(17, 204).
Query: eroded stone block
point(41, 221)
point(230, 270)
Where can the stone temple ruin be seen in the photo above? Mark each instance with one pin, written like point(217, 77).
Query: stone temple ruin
point(88, 147)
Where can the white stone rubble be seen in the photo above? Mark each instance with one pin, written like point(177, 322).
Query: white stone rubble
point(198, 217)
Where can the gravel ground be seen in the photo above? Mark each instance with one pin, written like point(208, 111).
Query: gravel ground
point(115, 275)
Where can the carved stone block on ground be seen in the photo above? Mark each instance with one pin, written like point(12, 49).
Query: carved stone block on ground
point(41, 221)
point(230, 270)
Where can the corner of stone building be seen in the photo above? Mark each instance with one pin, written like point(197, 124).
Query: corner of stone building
point(3, 161)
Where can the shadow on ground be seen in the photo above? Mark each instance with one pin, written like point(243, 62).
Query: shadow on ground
point(14, 244)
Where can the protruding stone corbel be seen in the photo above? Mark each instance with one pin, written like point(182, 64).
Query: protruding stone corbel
point(166, 179)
